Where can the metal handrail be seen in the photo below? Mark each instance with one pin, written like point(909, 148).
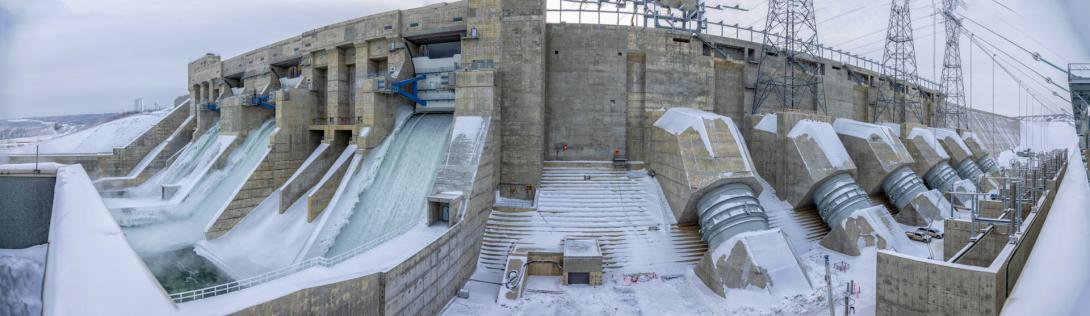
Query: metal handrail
point(755, 36)
point(233, 286)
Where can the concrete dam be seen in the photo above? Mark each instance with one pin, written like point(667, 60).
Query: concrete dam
point(407, 162)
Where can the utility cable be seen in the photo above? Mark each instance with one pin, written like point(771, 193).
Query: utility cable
point(1035, 55)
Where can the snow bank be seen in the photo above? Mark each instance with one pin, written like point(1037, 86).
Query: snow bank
point(91, 269)
point(1004, 158)
point(772, 253)
point(1056, 277)
point(21, 274)
point(826, 138)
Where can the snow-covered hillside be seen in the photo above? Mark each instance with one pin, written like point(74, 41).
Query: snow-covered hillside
point(49, 127)
point(87, 136)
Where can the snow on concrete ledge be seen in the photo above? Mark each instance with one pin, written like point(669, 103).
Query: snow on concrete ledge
point(951, 134)
point(676, 120)
point(581, 248)
point(826, 138)
point(865, 131)
point(768, 123)
point(930, 139)
point(91, 269)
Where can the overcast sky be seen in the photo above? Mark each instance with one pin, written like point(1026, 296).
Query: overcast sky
point(92, 56)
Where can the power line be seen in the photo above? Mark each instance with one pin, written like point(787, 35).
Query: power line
point(880, 31)
point(1004, 52)
point(1036, 55)
point(869, 33)
point(977, 41)
point(843, 14)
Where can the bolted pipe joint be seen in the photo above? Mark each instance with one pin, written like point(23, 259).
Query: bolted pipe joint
point(968, 169)
point(839, 197)
point(903, 185)
point(728, 210)
point(942, 177)
point(987, 164)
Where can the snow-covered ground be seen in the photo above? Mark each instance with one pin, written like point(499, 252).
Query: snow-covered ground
point(1056, 277)
point(21, 274)
point(676, 290)
point(102, 138)
point(27, 130)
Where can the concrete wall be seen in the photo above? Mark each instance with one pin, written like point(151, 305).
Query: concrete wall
point(424, 283)
point(685, 169)
point(599, 75)
point(129, 156)
point(915, 286)
point(999, 133)
point(289, 147)
point(522, 56)
point(359, 296)
point(26, 207)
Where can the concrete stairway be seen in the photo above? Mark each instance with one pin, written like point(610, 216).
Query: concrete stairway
point(813, 227)
point(808, 219)
point(609, 206)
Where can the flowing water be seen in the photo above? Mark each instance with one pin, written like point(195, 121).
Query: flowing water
point(174, 226)
point(142, 204)
point(393, 197)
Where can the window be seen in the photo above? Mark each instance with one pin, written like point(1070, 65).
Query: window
point(578, 278)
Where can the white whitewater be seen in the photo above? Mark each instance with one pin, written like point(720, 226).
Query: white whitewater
point(395, 179)
point(392, 193)
point(175, 226)
point(245, 250)
point(129, 206)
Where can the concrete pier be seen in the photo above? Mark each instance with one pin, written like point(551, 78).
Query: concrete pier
point(809, 166)
point(708, 176)
point(961, 158)
point(884, 165)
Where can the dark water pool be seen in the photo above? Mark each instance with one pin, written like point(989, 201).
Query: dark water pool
point(184, 270)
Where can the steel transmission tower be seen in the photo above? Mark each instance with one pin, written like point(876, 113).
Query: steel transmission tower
point(951, 111)
point(899, 68)
point(788, 68)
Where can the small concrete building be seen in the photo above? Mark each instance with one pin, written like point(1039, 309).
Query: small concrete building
point(582, 262)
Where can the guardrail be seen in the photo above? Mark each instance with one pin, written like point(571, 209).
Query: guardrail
point(234, 286)
point(1079, 71)
point(740, 33)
